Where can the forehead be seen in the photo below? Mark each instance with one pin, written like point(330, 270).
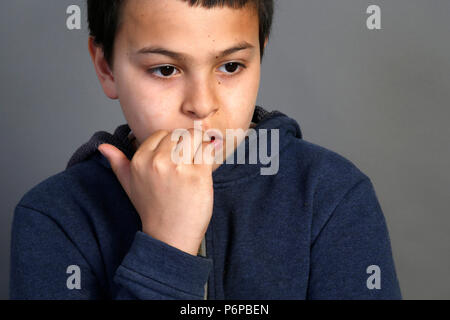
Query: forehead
point(173, 22)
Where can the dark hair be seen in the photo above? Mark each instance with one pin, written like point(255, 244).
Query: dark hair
point(104, 16)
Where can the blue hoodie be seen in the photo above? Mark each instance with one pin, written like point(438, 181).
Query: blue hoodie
point(313, 230)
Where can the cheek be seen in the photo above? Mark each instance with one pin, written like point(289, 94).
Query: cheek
point(141, 94)
point(145, 107)
point(241, 95)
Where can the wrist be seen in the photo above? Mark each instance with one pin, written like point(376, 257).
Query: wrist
point(189, 246)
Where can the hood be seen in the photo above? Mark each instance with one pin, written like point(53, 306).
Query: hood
point(287, 127)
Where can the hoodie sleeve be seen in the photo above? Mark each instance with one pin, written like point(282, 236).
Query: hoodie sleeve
point(153, 269)
point(351, 257)
point(47, 264)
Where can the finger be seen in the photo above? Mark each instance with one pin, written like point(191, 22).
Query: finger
point(168, 144)
point(151, 143)
point(190, 142)
point(202, 139)
point(205, 154)
point(119, 164)
point(183, 150)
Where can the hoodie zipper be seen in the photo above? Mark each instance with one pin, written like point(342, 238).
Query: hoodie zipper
point(203, 253)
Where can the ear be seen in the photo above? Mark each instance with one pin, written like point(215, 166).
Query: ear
point(102, 69)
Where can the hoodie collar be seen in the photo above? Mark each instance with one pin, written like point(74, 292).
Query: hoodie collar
point(226, 174)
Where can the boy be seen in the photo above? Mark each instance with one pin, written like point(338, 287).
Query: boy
point(128, 222)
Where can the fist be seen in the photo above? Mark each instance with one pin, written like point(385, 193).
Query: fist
point(169, 182)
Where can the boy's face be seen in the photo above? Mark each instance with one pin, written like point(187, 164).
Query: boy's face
point(159, 91)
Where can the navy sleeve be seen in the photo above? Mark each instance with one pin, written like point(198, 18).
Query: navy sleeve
point(153, 269)
point(351, 257)
point(45, 264)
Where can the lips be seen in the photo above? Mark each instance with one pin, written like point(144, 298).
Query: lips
point(214, 135)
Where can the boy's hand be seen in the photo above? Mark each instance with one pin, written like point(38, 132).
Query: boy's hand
point(174, 201)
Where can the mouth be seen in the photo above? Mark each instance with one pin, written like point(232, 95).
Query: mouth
point(214, 135)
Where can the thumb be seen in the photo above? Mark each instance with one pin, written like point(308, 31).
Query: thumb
point(119, 164)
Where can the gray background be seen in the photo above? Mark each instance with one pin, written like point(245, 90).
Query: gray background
point(379, 98)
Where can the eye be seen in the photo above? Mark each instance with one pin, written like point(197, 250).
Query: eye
point(164, 71)
point(231, 67)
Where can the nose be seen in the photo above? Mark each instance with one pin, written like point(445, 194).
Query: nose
point(201, 99)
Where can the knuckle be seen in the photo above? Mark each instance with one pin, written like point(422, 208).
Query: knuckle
point(163, 131)
point(185, 172)
point(180, 169)
point(158, 163)
point(136, 163)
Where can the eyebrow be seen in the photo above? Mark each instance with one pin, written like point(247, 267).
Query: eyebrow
point(180, 56)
